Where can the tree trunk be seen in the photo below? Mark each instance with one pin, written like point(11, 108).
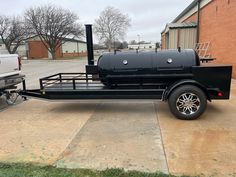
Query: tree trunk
point(11, 50)
point(8, 49)
point(109, 46)
point(14, 50)
point(53, 53)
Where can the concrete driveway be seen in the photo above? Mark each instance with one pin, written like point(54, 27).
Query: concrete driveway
point(131, 135)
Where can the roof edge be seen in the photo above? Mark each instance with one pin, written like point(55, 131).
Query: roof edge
point(67, 39)
point(179, 26)
point(187, 9)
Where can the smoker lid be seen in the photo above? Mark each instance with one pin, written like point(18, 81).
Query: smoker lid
point(187, 57)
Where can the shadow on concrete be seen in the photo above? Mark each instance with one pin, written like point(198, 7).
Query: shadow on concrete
point(106, 107)
point(4, 105)
point(73, 107)
point(211, 107)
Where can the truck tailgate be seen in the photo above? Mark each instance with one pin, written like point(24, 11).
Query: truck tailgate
point(9, 65)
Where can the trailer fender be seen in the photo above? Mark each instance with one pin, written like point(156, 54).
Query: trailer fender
point(180, 83)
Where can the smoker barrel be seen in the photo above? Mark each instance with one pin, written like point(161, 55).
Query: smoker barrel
point(146, 67)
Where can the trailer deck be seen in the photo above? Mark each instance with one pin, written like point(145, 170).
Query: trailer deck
point(64, 86)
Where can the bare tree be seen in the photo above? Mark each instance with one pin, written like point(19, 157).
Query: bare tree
point(111, 24)
point(13, 31)
point(125, 44)
point(133, 42)
point(52, 25)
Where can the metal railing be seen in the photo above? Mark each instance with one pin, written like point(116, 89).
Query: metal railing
point(68, 80)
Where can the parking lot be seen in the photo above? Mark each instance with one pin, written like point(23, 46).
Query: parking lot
point(126, 134)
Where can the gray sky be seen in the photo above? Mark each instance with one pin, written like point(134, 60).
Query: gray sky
point(149, 17)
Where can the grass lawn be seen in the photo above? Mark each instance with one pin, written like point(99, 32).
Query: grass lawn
point(30, 170)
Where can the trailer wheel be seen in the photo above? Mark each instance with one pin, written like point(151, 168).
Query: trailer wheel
point(187, 102)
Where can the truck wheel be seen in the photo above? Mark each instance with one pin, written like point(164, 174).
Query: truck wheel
point(11, 98)
point(187, 102)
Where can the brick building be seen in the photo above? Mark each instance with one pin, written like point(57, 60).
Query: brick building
point(216, 25)
point(69, 48)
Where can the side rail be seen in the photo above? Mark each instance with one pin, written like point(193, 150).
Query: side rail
point(68, 80)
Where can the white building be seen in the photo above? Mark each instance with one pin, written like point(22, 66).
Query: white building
point(147, 46)
point(21, 50)
point(2, 48)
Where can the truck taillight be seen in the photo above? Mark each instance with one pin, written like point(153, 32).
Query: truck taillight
point(19, 63)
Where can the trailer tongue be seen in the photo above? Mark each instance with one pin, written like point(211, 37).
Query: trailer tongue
point(175, 76)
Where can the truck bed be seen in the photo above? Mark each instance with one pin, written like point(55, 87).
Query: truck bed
point(9, 65)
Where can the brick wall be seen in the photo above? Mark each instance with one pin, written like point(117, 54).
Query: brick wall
point(218, 26)
point(37, 50)
point(81, 54)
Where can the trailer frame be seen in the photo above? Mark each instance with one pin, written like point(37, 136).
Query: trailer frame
point(83, 86)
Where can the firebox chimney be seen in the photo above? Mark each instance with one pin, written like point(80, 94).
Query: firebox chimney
point(89, 39)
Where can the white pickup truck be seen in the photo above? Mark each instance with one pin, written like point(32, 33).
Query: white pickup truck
point(10, 73)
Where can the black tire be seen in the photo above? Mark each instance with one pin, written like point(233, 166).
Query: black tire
point(11, 98)
point(187, 102)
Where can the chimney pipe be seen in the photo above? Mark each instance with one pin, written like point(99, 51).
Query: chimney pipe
point(198, 19)
point(89, 39)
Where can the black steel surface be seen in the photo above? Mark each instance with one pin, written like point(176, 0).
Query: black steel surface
point(146, 67)
point(86, 94)
point(215, 78)
point(64, 86)
point(91, 69)
point(89, 39)
point(212, 79)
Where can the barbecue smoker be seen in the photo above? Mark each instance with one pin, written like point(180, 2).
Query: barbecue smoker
point(153, 68)
point(176, 76)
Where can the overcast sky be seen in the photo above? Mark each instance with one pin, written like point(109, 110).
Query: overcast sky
point(149, 17)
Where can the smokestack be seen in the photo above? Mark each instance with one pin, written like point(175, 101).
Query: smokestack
point(89, 39)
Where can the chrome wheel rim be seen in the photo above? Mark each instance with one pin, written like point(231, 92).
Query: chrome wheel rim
point(188, 103)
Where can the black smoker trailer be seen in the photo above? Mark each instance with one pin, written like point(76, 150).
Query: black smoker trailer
point(175, 76)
